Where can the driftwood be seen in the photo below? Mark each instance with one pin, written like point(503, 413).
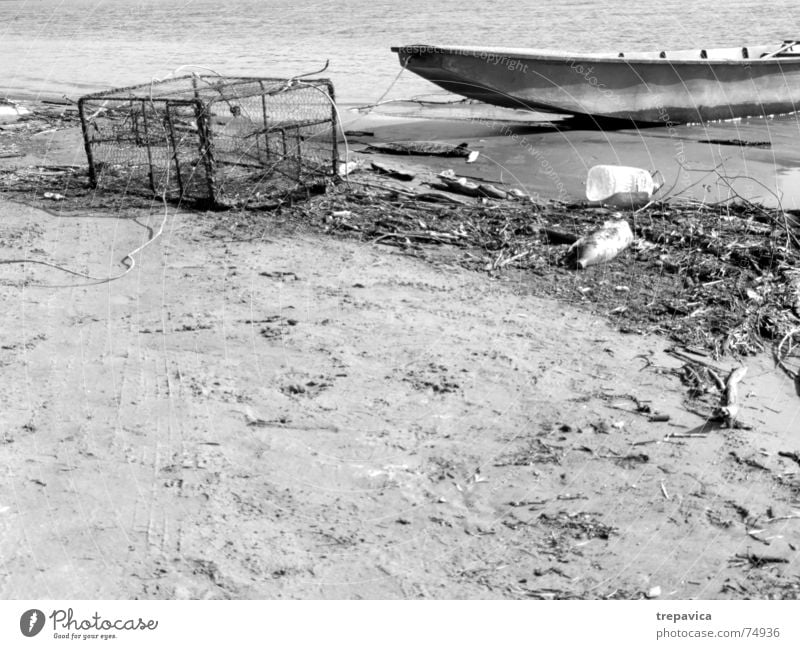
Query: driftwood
point(556, 237)
point(393, 172)
point(436, 197)
point(759, 561)
point(795, 284)
point(729, 408)
point(781, 355)
point(461, 186)
point(735, 142)
point(422, 148)
point(792, 455)
point(490, 191)
point(426, 236)
point(683, 356)
point(449, 173)
point(386, 188)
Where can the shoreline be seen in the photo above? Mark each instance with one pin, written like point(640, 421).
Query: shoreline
point(51, 133)
point(550, 155)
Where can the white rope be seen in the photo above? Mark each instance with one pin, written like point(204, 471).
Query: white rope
point(371, 107)
point(128, 260)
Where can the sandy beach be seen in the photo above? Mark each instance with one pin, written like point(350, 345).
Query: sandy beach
point(271, 405)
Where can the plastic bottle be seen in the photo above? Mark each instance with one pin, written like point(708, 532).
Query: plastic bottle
point(602, 245)
point(605, 181)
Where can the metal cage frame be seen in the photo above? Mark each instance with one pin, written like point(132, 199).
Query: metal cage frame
point(196, 95)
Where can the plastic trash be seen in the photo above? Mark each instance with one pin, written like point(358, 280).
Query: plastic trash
point(602, 245)
point(628, 200)
point(607, 181)
point(11, 110)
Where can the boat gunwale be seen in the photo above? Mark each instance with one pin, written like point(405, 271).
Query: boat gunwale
point(576, 57)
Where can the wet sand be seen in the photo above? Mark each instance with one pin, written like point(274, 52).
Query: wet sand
point(549, 156)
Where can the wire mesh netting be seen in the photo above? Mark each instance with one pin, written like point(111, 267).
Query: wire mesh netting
point(212, 140)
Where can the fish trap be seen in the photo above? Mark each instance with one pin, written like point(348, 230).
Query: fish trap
point(214, 141)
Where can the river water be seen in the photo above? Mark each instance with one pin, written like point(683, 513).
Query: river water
point(74, 46)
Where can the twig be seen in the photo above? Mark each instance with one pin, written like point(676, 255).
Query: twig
point(720, 383)
point(757, 561)
point(792, 455)
point(668, 195)
point(780, 358)
point(685, 357)
point(385, 188)
point(782, 518)
point(664, 490)
point(556, 237)
point(506, 262)
point(753, 534)
point(437, 237)
point(685, 435)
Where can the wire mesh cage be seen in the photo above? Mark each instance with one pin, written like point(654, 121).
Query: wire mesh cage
point(219, 141)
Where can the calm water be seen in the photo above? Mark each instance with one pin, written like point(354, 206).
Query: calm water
point(71, 46)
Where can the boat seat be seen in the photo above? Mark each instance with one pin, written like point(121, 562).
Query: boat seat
point(758, 51)
point(727, 53)
point(681, 55)
point(715, 54)
point(721, 53)
point(639, 55)
point(790, 51)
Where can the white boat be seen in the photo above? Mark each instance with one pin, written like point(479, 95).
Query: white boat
point(667, 87)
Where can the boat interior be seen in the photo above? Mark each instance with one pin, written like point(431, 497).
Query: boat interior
point(788, 49)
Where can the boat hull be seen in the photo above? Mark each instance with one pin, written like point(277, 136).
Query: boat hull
point(653, 90)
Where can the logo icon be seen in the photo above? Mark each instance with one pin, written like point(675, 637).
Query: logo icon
point(31, 622)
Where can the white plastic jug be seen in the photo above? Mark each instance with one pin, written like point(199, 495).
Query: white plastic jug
point(605, 181)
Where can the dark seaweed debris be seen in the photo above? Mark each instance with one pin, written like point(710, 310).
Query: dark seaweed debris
point(724, 278)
